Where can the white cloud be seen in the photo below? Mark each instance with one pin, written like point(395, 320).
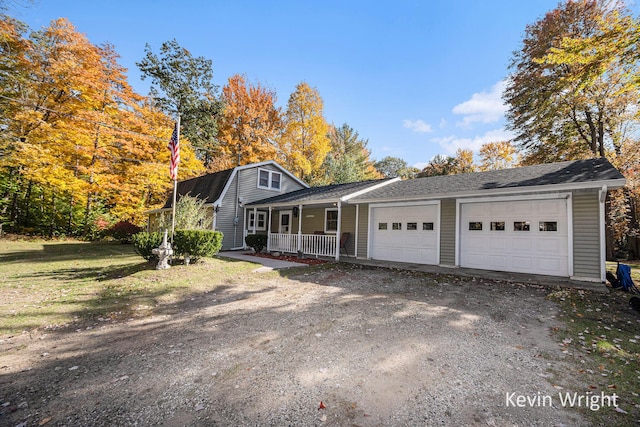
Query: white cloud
point(421, 165)
point(452, 143)
point(483, 107)
point(417, 126)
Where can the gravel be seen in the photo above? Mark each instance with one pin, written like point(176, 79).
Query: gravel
point(342, 345)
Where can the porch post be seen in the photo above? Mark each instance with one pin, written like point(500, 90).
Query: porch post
point(338, 230)
point(269, 231)
point(299, 227)
point(215, 218)
point(255, 219)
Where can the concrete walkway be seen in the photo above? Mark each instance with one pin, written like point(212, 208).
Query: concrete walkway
point(268, 264)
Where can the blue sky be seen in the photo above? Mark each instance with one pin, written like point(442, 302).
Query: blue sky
point(415, 78)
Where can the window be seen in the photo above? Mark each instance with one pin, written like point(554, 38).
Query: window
point(497, 226)
point(412, 226)
point(521, 226)
point(269, 179)
point(396, 226)
point(548, 226)
point(382, 226)
point(427, 226)
point(330, 220)
point(475, 226)
point(262, 221)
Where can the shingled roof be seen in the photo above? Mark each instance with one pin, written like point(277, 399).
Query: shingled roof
point(316, 194)
point(571, 172)
point(207, 187)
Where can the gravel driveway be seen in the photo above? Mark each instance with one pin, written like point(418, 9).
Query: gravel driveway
point(375, 346)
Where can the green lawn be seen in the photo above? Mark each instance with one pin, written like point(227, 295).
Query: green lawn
point(49, 284)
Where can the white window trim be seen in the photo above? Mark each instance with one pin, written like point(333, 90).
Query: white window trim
point(251, 220)
point(270, 182)
point(325, 221)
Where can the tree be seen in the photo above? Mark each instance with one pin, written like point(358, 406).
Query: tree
point(391, 167)
point(304, 143)
point(559, 108)
point(348, 160)
point(250, 124)
point(81, 147)
point(497, 155)
point(447, 165)
point(181, 85)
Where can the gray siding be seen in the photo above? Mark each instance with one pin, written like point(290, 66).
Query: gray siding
point(586, 235)
point(245, 185)
point(448, 232)
point(363, 231)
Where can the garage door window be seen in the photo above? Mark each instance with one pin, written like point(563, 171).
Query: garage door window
point(521, 226)
point(427, 226)
point(412, 226)
point(397, 226)
point(497, 226)
point(548, 226)
point(382, 226)
point(475, 226)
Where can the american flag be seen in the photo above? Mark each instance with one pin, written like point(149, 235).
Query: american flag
point(174, 146)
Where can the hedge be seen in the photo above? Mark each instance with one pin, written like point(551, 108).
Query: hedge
point(256, 241)
point(146, 242)
point(197, 243)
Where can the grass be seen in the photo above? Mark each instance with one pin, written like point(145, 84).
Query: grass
point(53, 284)
point(602, 334)
point(635, 269)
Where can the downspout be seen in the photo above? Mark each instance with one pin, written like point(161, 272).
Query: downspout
point(338, 230)
point(235, 217)
point(603, 240)
point(355, 254)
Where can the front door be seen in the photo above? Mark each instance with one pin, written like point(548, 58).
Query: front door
point(285, 222)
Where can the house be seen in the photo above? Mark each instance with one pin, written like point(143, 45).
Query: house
point(227, 192)
point(544, 219)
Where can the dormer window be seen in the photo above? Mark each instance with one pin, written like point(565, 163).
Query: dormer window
point(269, 180)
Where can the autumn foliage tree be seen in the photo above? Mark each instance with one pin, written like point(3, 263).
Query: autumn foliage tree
point(304, 143)
point(497, 155)
point(249, 126)
point(78, 143)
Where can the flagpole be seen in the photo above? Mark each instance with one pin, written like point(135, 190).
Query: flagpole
point(175, 185)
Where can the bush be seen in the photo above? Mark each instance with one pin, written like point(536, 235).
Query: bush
point(256, 241)
point(197, 243)
point(144, 243)
point(123, 231)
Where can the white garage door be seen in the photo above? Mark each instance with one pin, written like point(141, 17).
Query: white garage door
point(405, 233)
point(520, 236)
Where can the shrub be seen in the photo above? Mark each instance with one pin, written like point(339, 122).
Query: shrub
point(256, 241)
point(197, 243)
point(123, 230)
point(144, 243)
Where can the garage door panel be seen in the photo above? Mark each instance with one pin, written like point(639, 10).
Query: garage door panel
point(532, 251)
point(405, 244)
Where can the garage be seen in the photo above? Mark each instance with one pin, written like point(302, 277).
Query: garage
point(524, 236)
point(405, 233)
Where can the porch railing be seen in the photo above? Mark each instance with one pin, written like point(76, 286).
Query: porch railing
point(310, 244)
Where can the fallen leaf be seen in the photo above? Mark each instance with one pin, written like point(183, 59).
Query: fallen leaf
point(44, 421)
point(321, 406)
point(622, 411)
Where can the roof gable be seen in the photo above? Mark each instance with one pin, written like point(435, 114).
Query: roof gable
point(207, 187)
point(332, 192)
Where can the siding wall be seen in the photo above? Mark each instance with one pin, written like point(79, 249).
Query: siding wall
point(586, 234)
point(363, 231)
point(448, 232)
point(246, 181)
